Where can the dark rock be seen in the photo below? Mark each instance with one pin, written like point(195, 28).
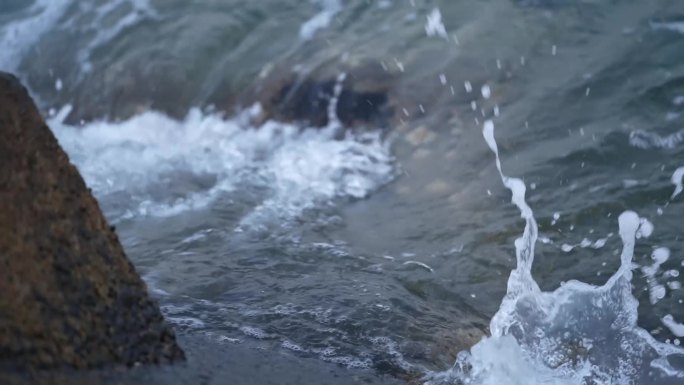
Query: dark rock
point(309, 101)
point(69, 297)
point(363, 101)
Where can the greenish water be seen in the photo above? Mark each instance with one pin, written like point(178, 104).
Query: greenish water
point(387, 250)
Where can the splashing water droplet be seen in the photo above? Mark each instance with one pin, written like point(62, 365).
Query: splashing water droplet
point(434, 25)
point(677, 177)
point(676, 328)
point(486, 91)
point(577, 334)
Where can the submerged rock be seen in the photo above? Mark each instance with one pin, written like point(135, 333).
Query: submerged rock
point(69, 296)
point(364, 99)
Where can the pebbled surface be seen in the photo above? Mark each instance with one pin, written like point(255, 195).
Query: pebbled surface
point(69, 296)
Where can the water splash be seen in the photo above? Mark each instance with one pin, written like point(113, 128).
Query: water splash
point(675, 327)
point(656, 291)
point(577, 334)
point(434, 25)
point(334, 122)
point(677, 180)
point(152, 165)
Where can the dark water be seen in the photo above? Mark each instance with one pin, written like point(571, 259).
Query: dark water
point(388, 250)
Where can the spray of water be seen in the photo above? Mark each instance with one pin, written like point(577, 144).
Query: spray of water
point(578, 334)
point(677, 181)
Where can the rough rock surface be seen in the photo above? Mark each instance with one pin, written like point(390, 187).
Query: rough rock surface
point(69, 297)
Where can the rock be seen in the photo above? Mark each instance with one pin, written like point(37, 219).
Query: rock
point(308, 101)
point(69, 296)
point(364, 99)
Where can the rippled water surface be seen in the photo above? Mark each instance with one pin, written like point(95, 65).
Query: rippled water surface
point(388, 247)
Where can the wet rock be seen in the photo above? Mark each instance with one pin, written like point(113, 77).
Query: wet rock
point(69, 297)
point(309, 101)
point(364, 100)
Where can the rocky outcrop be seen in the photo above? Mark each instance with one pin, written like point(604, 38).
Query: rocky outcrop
point(69, 297)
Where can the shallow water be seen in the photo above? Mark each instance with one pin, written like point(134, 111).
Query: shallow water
point(391, 248)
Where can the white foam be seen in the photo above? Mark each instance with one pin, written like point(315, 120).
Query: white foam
point(289, 345)
point(19, 36)
point(255, 332)
point(321, 20)
point(647, 140)
point(392, 349)
point(221, 338)
point(501, 360)
point(146, 159)
point(350, 362)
